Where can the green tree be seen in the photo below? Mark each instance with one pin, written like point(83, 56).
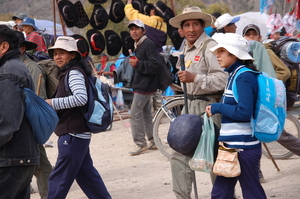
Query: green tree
point(220, 7)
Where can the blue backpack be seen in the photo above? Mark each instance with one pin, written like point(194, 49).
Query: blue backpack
point(270, 111)
point(99, 114)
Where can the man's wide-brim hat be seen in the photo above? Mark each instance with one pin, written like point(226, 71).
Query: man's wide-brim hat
point(82, 45)
point(69, 13)
point(83, 19)
point(97, 2)
point(192, 13)
point(117, 13)
point(96, 41)
point(113, 42)
point(127, 42)
point(99, 18)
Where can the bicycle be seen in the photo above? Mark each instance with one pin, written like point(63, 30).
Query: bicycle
point(172, 108)
point(162, 120)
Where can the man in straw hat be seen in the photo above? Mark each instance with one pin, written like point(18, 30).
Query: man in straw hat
point(204, 79)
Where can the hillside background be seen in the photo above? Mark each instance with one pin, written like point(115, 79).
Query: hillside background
point(43, 9)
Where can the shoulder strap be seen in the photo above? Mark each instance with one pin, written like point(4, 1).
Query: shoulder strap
point(204, 48)
point(237, 72)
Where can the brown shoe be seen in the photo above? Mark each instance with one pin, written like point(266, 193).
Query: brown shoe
point(137, 150)
point(152, 146)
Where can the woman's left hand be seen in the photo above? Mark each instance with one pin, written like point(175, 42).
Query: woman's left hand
point(208, 110)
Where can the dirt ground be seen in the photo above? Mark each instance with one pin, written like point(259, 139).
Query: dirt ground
point(149, 175)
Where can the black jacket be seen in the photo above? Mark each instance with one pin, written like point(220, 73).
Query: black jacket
point(145, 79)
point(17, 143)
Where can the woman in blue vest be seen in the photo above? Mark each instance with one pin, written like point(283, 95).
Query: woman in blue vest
point(74, 161)
point(236, 132)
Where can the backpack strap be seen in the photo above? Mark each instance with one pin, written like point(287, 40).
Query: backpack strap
point(237, 72)
point(204, 48)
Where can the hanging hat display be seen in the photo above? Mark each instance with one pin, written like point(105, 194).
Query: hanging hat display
point(117, 13)
point(113, 42)
point(83, 19)
point(82, 45)
point(96, 41)
point(139, 5)
point(127, 42)
point(68, 12)
point(99, 18)
point(97, 2)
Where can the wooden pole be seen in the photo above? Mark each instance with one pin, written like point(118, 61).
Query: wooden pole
point(271, 157)
point(172, 7)
point(38, 88)
point(63, 25)
point(54, 19)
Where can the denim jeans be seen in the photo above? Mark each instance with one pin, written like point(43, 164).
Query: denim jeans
point(141, 119)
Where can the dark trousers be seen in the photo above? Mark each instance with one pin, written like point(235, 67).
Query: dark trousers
point(249, 159)
point(74, 162)
point(15, 181)
point(290, 142)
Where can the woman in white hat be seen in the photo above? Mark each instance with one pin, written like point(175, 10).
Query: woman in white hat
point(74, 160)
point(236, 132)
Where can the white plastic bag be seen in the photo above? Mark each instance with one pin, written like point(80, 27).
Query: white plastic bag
point(120, 100)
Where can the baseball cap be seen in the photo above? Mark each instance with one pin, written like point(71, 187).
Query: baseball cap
point(225, 19)
point(249, 27)
point(19, 16)
point(137, 22)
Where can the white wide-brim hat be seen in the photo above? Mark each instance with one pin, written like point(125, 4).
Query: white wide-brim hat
point(192, 13)
point(233, 43)
point(65, 43)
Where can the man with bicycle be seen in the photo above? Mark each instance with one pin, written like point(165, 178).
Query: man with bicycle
point(204, 79)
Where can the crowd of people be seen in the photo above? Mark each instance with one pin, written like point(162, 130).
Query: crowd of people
point(213, 54)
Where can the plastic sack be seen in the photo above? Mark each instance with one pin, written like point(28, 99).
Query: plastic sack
point(40, 115)
point(203, 158)
point(119, 99)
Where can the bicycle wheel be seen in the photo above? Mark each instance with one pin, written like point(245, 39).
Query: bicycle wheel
point(161, 125)
point(292, 126)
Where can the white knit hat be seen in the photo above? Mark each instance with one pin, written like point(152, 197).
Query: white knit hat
point(233, 43)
